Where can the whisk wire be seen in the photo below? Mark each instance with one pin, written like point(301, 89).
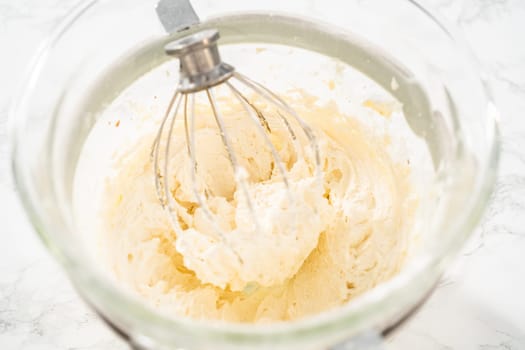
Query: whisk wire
point(189, 126)
point(156, 140)
point(239, 173)
point(251, 110)
point(160, 178)
point(170, 202)
point(254, 113)
point(275, 100)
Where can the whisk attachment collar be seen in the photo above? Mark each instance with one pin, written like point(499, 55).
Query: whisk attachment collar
point(201, 66)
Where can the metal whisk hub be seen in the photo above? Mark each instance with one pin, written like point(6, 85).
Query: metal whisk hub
point(200, 62)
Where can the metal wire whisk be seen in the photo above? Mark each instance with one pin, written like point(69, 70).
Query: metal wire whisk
point(201, 70)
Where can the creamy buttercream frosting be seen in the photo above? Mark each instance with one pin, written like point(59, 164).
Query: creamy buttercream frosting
point(313, 244)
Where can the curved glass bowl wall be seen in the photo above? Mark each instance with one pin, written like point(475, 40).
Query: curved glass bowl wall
point(443, 98)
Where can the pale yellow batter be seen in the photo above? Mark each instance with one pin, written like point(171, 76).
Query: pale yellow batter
point(335, 240)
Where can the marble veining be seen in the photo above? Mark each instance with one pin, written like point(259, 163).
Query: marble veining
point(479, 303)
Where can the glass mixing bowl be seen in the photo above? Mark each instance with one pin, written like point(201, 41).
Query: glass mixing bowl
point(102, 47)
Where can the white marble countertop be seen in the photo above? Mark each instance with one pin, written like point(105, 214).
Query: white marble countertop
point(480, 303)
